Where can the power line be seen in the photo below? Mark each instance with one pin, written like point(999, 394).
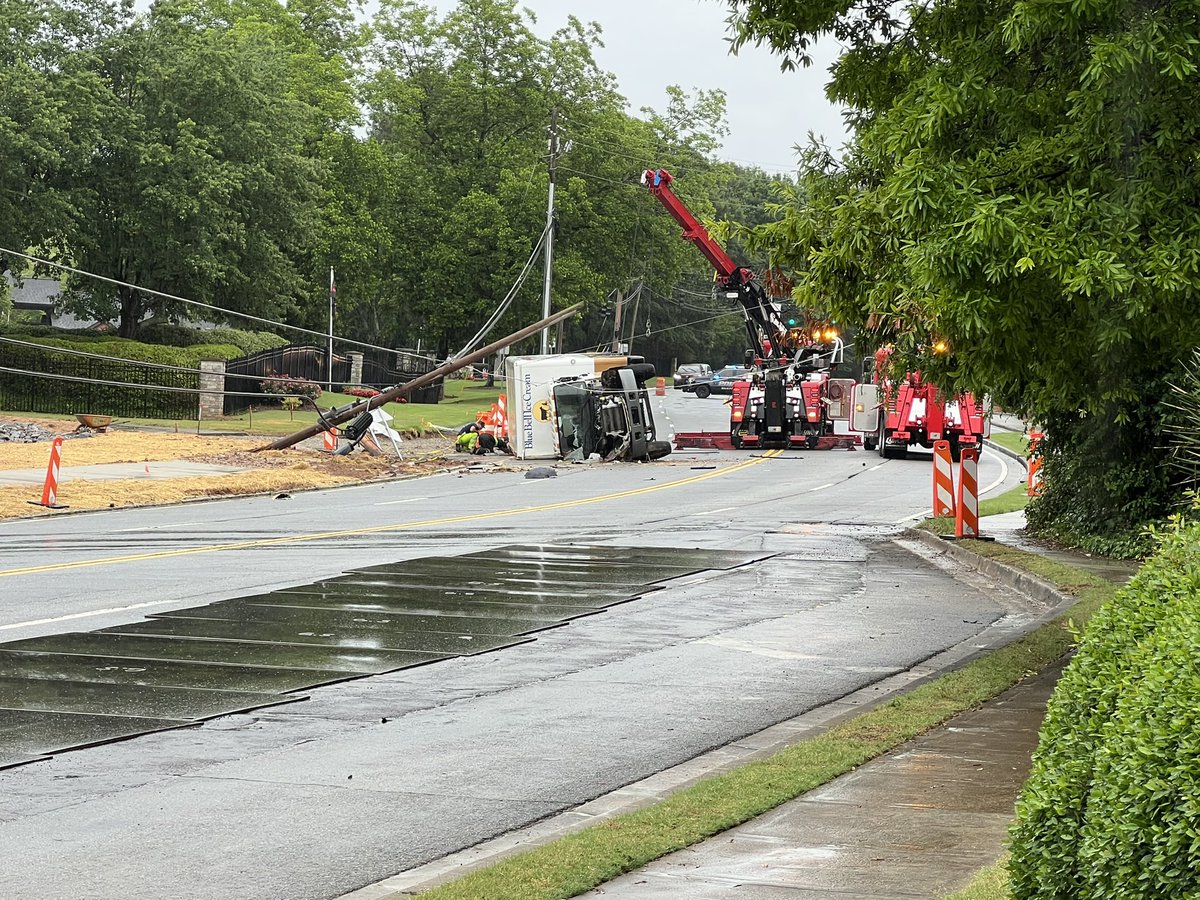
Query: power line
point(151, 387)
point(507, 301)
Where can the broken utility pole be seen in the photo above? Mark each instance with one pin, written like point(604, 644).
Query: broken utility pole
point(336, 417)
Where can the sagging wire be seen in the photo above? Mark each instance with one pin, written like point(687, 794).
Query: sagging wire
point(507, 301)
point(156, 387)
point(176, 298)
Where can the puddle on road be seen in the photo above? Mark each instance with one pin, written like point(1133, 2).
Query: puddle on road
point(181, 667)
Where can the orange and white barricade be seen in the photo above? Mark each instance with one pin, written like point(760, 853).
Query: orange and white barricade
point(489, 420)
point(966, 519)
point(50, 487)
point(331, 440)
point(943, 480)
point(1035, 464)
point(660, 387)
point(501, 418)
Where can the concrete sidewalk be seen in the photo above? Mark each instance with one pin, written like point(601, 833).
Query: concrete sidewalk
point(917, 822)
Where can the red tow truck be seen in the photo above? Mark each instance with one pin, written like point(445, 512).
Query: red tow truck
point(787, 398)
point(897, 414)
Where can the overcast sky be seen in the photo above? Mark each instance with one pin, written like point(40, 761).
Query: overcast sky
point(650, 44)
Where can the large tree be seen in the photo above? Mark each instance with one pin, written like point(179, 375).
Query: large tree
point(1021, 183)
point(203, 181)
point(49, 114)
point(465, 101)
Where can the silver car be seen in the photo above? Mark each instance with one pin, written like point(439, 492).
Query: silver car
point(691, 373)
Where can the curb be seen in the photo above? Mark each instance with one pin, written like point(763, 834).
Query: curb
point(1004, 451)
point(1017, 579)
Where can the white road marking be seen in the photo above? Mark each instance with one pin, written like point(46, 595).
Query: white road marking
point(157, 527)
point(394, 502)
point(713, 512)
point(84, 615)
point(999, 481)
point(822, 487)
point(873, 468)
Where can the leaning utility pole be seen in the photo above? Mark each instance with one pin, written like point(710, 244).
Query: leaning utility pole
point(336, 417)
point(549, 263)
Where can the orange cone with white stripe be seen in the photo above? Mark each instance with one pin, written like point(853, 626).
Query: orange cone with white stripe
point(966, 521)
point(50, 487)
point(943, 480)
point(331, 440)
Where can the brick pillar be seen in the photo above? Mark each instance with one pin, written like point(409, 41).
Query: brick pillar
point(212, 378)
point(355, 367)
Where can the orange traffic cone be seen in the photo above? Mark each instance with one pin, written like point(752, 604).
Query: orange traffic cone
point(50, 487)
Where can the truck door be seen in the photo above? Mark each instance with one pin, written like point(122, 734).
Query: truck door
point(864, 408)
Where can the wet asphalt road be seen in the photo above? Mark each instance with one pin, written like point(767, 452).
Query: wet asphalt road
point(371, 777)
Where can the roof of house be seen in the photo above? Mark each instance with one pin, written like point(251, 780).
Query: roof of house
point(33, 293)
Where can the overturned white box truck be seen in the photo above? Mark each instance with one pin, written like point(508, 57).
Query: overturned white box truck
point(573, 406)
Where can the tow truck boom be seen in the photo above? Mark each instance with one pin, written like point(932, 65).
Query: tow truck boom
point(763, 318)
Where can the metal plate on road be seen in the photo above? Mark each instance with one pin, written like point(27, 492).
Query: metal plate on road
point(409, 606)
point(691, 558)
point(310, 630)
point(186, 665)
point(26, 735)
point(136, 700)
point(365, 585)
point(161, 673)
point(355, 661)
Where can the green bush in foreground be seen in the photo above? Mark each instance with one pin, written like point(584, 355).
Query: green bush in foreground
point(1112, 805)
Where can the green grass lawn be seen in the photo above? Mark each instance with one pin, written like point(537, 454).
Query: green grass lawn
point(1011, 440)
point(463, 400)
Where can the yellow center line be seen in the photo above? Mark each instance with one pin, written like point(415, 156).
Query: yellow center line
point(379, 529)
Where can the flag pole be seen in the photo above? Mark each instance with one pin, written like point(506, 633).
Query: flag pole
point(329, 354)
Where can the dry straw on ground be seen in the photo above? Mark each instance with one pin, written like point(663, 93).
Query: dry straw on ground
point(269, 472)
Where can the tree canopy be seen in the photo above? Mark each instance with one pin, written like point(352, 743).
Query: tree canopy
point(1021, 184)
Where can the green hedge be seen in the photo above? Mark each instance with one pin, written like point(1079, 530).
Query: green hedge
point(247, 342)
point(1112, 805)
point(122, 348)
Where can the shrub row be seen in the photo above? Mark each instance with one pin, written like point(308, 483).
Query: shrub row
point(123, 348)
point(1112, 805)
point(247, 342)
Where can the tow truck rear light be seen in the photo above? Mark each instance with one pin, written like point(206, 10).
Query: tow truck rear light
point(737, 416)
point(812, 417)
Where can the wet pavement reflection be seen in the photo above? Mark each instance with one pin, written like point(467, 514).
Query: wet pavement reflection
point(181, 667)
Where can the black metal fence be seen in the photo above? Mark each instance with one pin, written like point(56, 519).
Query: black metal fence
point(76, 384)
point(380, 370)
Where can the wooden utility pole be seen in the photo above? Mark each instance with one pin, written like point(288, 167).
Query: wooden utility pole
point(616, 341)
point(336, 417)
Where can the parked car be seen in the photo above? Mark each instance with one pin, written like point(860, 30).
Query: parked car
point(692, 373)
point(721, 382)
